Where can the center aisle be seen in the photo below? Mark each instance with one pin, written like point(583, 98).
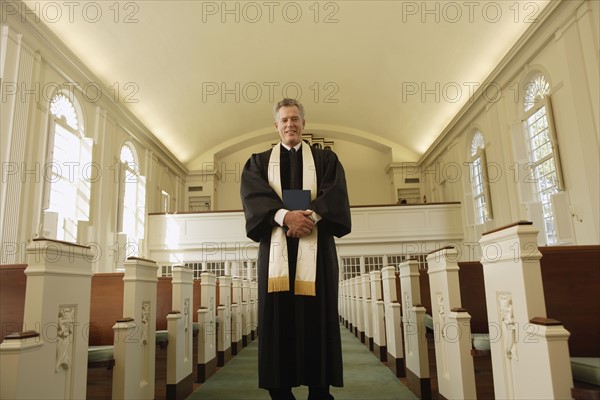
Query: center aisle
point(365, 377)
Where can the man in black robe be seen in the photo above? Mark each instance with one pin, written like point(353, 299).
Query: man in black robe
point(298, 323)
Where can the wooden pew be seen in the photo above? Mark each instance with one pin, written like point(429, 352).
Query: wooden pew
point(472, 291)
point(571, 278)
point(107, 307)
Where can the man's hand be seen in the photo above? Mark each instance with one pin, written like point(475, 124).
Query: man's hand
point(299, 223)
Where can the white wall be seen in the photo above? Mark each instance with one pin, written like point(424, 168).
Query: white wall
point(36, 63)
point(366, 178)
point(566, 51)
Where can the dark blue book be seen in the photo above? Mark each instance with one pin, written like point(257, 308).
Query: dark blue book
point(296, 199)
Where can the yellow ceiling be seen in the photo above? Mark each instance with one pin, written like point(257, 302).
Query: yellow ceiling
point(201, 73)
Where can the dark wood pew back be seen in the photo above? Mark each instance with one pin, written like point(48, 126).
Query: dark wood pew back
point(12, 298)
point(571, 276)
point(472, 290)
point(106, 307)
point(425, 290)
point(164, 302)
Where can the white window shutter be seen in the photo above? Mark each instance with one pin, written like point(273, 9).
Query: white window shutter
point(536, 214)
point(554, 139)
point(84, 185)
point(522, 173)
point(121, 195)
point(49, 159)
point(562, 217)
point(486, 183)
point(141, 203)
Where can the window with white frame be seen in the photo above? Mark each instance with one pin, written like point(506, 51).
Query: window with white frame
point(67, 196)
point(216, 267)
point(396, 260)
point(373, 263)
point(167, 270)
point(351, 267)
point(196, 268)
point(542, 149)
point(132, 203)
point(479, 180)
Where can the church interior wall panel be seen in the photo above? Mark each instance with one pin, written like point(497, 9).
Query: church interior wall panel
point(108, 123)
point(577, 132)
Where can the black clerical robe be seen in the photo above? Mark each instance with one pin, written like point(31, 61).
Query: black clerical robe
point(298, 336)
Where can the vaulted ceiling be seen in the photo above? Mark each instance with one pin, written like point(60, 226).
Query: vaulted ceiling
point(201, 73)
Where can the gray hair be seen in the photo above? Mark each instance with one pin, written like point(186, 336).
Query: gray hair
point(287, 102)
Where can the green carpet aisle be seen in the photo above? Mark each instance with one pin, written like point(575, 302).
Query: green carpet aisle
point(365, 377)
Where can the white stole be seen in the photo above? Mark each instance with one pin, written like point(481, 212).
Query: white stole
point(306, 265)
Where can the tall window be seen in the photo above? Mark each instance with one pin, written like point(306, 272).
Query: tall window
point(542, 149)
point(479, 180)
point(67, 197)
point(132, 204)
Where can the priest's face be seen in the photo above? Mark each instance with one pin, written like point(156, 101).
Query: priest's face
point(290, 125)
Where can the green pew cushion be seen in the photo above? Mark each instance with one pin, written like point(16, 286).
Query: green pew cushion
point(100, 353)
point(480, 341)
point(428, 321)
point(586, 369)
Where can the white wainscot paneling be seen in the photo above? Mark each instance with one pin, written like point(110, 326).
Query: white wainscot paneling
point(176, 238)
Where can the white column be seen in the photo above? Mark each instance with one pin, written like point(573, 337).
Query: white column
point(367, 310)
point(353, 319)
point(135, 348)
point(393, 322)
point(176, 371)
point(452, 327)
point(207, 322)
point(360, 316)
point(415, 342)
point(180, 350)
point(17, 117)
point(236, 315)
point(224, 321)
point(245, 312)
point(254, 308)
point(379, 344)
point(527, 346)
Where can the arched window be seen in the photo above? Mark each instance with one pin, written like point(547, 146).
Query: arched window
point(479, 180)
point(542, 149)
point(132, 206)
point(67, 173)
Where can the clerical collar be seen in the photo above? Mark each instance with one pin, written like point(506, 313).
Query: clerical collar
point(288, 148)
